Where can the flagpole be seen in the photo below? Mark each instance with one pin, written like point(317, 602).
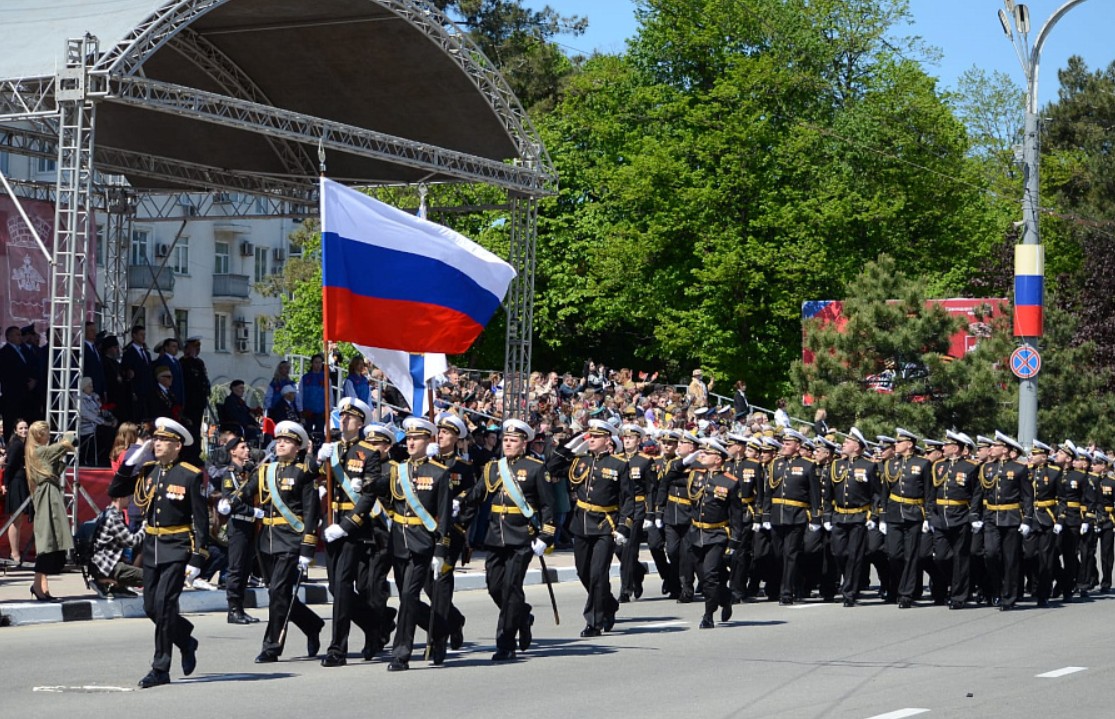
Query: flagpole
point(325, 342)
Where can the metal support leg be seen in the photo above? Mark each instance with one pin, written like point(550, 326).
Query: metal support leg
point(520, 305)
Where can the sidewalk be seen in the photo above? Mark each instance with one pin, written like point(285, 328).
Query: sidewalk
point(18, 608)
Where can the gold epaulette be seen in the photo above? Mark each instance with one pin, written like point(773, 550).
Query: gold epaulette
point(366, 445)
point(644, 454)
point(533, 459)
point(190, 467)
point(436, 463)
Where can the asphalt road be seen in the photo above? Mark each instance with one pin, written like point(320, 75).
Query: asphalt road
point(810, 660)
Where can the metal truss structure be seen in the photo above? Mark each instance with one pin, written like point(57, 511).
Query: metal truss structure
point(54, 117)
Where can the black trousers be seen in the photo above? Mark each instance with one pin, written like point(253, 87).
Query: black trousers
point(763, 567)
point(681, 559)
point(709, 562)
point(903, 540)
point(1041, 546)
point(505, 569)
point(1070, 555)
point(788, 541)
point(1107, 555)
point(346, 559)
point(656, 543)
point(952, 551)
point(631, 571)
point(593, 559)
point(411, 575)
point(162, 585)
point(1002, 560)
point(878, 557)
point(241, 556)
point(740, 563)
point(1089, 572)
point(440, 592)
point(281, 573)
point(374, 617)
point(849, 550)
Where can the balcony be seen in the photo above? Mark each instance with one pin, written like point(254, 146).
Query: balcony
point(234, 286)
point(143, 277)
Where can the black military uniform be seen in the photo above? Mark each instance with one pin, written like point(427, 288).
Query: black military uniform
point(791, 501)
point(1075, 508)
point(750, 475)
point(640, 468)
point(421, 516)
point(361, 559)
point(954, 484)
point(1105, 524)
point(462, 478)
point(604, 505)
point(241, 531)
point(656, 535)
point(717, 526)
point(1041, 545)
point(673, 506)
point(852, 494)
point(906, 485)
point(1003, 502)
point(171, 497)
point(286, 491)
point(508, 540)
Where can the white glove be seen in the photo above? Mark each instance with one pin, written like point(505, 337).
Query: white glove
point(658, 523)
point(321, 492)
point(304, 563)
point(357, 485)
point(1024, 529)
point(689, 459)
point(647, 524)
point(619, 539)
point(192, 573)
point(766, 525)
point(456, 507)
point(437, 564)
point(144, 454)
point(756, 527)
point(813, 527)
point(578, 445)
point(977, 526)
point(325, 453)
point(925, 528)
point(1057, 528)
point(828, 526)
point(1084, 528)
point(258, 512)
point(883, 528)
point(334, 532)
point(432, 450)
point(870, 525)
point(538, 547)
point(224, 507)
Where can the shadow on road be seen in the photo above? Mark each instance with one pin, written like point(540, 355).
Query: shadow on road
point(234, 677)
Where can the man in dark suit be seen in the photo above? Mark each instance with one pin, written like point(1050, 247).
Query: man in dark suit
point(138, 374)
point(92, 365)
point(118, 396)
point(38, 357)
point(16, 379)
point(169, 359)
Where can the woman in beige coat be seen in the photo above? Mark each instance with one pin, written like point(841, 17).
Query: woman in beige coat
point(45, 464)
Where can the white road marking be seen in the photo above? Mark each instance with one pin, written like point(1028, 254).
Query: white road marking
point(90, 689)
point(1060, 672)
point(661, 625)
point(899, 713)
point(810, 605)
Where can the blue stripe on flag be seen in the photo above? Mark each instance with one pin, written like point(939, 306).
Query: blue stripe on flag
point(1028, 290)
point(418, 376)
point(380, 272)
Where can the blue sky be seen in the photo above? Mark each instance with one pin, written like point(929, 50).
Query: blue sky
point(966, 31)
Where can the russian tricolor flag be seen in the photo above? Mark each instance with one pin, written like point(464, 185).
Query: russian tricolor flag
point(397, 281)
point(1029, 290)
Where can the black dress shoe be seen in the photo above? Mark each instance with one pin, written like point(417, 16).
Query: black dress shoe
point(905, 604)
point(638, 590)
point(624, 598)
point(609, 622)
point(235, 617)
point(266, 658)
point(706, 622)
point(397, 666)
point(849, 602)
point(525, 635)
point(590, 632)
point(996, 602)
point(334, 660)
point(437, 653)
point(726, 613)
point(457, 635)
point(1006, 607)
point(783, 602)
point(189, 657)
point(1043, 603)
point(504, 655)
point(154, 678)
point(313, 644)
point(685, 598)
point(956, 605)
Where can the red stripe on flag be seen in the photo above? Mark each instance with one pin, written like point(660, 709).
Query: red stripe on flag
point(1028, 321)
point(396, 324)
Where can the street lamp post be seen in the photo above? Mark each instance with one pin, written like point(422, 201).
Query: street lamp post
point(1029, 258)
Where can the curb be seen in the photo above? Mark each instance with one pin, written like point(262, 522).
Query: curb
point(19, 614)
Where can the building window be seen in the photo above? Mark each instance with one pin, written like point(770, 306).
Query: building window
point(180, 257)
point(182, 324)
point(141, 247)
point(138, 315)
point(261, 263)
point(43, 165)
point(221, 254)
point(262, 340)
point(220, 332)
point(4, 162)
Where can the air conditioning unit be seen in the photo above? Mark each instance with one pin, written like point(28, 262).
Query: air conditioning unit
point(246, 249)
point(241, 344)
point(166, 319)
point(162, 249)
point(242, 334)
point(279, 254)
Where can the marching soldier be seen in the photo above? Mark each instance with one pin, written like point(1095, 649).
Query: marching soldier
point(356, 541)
point(640, 468)
point(745, 466)
point(673, 506)
point(289, 506)
point(979, 583)
point(906, 488)
point(717, 526)
point(520, 527)
point(1089, 570)
point(1105, 517)
point(601, 485)
point(878, 546)
point(170, 495)
point(825, 574)
point(791, 503)
point(763, 567)
point(656, 533)
point(417, 498)
point(1041, 544)
point(1003, 510)
point(852, 494)
point(955, 480)
point(1075, 512)
point(241, 530)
